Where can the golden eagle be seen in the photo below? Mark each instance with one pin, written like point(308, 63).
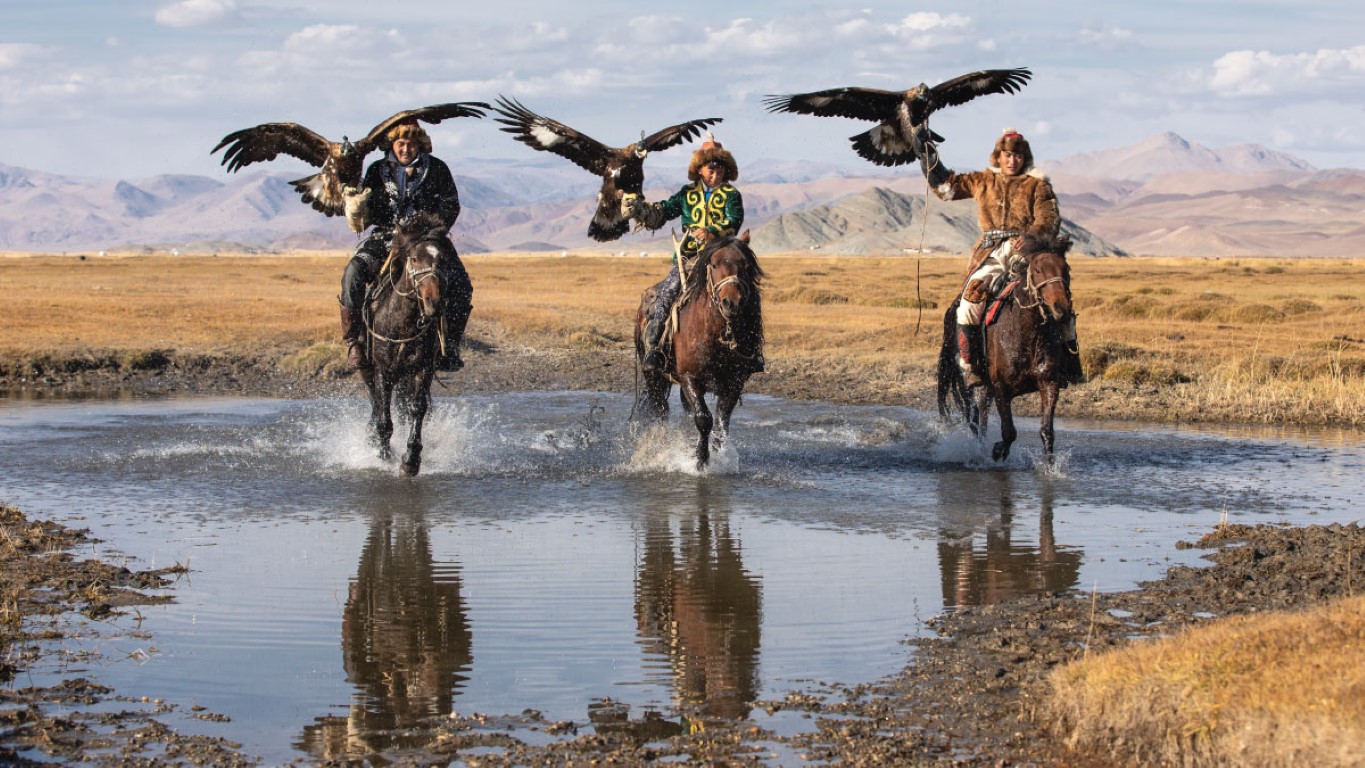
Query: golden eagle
point(898, 113)
point(342, 162)
point(622, 170)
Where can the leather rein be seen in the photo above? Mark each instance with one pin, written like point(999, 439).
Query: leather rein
point(415, 279)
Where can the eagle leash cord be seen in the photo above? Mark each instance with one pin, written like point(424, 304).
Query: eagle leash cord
point(919, 254)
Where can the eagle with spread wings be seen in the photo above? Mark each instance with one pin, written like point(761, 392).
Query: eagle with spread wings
point(341, 162)
point(622, 170)
point(898, 113)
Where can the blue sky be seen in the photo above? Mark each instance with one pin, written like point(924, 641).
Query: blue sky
point(135, 88)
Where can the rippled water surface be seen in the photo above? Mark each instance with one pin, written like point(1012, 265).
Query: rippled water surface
point(549, 559)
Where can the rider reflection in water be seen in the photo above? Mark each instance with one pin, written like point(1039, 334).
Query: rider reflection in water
point(710, 208)
point(1013, 199)
point(406, 182)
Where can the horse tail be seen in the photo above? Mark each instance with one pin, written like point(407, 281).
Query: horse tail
point(953, 397)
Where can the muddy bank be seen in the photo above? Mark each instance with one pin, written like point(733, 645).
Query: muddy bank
point(506, 369)
point(970, 697)
point(55, 608)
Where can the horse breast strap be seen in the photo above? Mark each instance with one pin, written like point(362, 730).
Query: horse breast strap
point(993, 311)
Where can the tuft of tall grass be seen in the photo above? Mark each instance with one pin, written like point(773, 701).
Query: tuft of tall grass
point(1277, 689)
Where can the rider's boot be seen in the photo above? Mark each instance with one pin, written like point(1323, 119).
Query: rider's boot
point(653, 361)
point(456, 318)
point(351, 326)
point(968, 352)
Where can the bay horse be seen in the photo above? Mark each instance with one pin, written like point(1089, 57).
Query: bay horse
point(403, 320)
point(1025, 345)
point(718, 337)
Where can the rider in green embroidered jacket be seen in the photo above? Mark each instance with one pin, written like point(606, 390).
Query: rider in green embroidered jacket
point(710, 208)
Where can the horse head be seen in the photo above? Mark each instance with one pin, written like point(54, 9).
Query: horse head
point(732, 274)
point(1048, 279)
point(420, 245)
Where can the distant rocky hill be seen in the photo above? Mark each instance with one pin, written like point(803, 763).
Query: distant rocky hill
point(1161, 196)
point(1168, 153)
point(884, 221)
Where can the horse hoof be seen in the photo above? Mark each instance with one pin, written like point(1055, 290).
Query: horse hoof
point(385, 453)
point(412, 469)
point(1000, 451)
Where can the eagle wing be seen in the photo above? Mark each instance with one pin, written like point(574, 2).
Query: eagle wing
point(432, 114)
point(268, 141)
point(857, 103)
point(542, 133)
point(674, 135)
point(964, 88)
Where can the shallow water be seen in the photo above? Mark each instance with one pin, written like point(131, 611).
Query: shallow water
point(548, 559)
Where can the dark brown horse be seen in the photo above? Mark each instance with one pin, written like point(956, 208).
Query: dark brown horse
point(403, 317)
point(1025, 346)
point(718, 338)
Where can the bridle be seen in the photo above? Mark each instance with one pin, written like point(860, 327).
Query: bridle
point(415, 279)
point(713, 286)
point(1034, 290)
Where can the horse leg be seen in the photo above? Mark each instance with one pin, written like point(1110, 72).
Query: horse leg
point(653, 402)
point(418, 400)
point(693, 397)
point(381, 419)
point(726, 399)
point(1048, 392)
point(1001, 451)
point(978, 411)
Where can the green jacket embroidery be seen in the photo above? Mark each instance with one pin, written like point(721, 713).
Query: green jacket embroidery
point(722, 213)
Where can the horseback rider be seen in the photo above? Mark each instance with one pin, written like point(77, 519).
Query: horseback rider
point(406, 182)
point(1013, 199)
point(710, 208)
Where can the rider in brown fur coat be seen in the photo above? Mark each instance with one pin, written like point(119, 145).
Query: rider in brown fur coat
point(1013, 199)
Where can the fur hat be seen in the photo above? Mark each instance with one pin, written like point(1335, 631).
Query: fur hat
point(1012, 141)
point(409, 129)
point(710, 151)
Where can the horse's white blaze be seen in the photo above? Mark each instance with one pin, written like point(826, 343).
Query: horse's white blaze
point(433, 251)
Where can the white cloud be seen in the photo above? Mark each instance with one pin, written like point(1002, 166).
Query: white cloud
point(1261, 73)
point(1107, 36)
point(14, 55)
point(917, 24)
point(195, 13)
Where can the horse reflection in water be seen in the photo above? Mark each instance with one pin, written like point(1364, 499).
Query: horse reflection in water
point(406, 647)
point(1002, 569)
point(697, 606)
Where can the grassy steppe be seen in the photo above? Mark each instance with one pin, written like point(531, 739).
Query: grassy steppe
point(1250, 340)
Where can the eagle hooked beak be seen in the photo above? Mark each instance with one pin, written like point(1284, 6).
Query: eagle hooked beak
point(640, 150)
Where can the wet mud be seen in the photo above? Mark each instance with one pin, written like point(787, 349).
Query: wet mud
point(970, 696)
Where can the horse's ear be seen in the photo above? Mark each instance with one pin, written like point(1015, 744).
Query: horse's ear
point(744, 238)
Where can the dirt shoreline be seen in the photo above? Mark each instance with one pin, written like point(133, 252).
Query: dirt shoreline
point(511, 369)
point(971, 696)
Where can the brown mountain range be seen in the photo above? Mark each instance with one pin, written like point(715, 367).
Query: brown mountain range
point(1161, 196)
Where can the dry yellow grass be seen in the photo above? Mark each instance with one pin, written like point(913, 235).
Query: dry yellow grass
point(1279, 341)
point(1282, 689)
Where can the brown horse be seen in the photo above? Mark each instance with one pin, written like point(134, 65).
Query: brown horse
point(719, 335)
point(1025, 346)
point(403, 317)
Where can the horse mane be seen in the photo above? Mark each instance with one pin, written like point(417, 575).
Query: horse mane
point(423, 226)
point(752, 274)
point(1032, 245)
